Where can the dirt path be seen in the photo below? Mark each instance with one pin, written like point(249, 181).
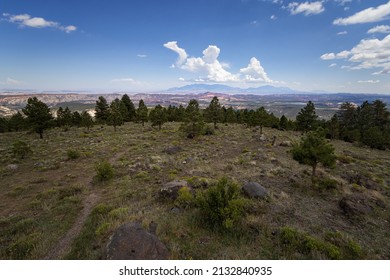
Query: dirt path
point(63, 246)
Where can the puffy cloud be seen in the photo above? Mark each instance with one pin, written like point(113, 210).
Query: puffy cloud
point(379, 29)
point(372, 14)
point(368, 54)
point(306, 8)
point(211, 69)
point(254, 72)
point(24, 20)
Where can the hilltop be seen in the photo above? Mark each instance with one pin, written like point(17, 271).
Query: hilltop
point(51, 200)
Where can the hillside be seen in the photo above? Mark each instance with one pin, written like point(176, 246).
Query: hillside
point(53, 206)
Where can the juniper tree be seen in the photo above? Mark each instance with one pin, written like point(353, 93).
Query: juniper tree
point(38, 115)
point(312, 150)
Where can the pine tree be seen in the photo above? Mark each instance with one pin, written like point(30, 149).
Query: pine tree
point(114, 114)
point(158, 116)
point(261, 117)
point(142, 112)
point(333, 127)
point(3, 125)
point(101, 110)
point(230, 115)
point(193, 120)
point(213, 112)
point(307, 118)
point(283, 123)
point(76, 118)
point(86, 120)
point(314, 149)
point(16, 122)
point(131, 112)
point(38, 115)
point(64, 116)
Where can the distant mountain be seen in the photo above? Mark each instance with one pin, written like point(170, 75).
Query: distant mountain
point(199, 88)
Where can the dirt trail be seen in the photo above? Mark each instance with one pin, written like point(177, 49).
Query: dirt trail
point(63, 246)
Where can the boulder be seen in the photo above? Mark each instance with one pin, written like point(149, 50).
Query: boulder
point(171, 190)
point(263, 138)
point(131, 242)
point(255, 190)
point(286, 144)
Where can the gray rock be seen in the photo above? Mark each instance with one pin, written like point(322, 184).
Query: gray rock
point(171, 190)
point(12, 167)
point(286, 144)
point(263, 138)
point(131, 242)
point(255, 190)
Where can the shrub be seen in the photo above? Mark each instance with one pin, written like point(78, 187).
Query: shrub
point(104, 171)
point(73, 154)
point(328, 184)
point(21, 149)
point(185, 198)
point(221, 206)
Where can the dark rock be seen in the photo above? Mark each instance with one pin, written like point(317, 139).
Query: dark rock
point(355, 205)
point(171, 189)
point(255, 190)
point(131, 242)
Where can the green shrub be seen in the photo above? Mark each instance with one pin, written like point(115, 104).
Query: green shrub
point(221, 206)
point(73, 154)
point(104, 171)
point(185, 198)
point(21, 149)
point(328, 184)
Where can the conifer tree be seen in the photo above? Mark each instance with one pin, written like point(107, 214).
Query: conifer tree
point(38, 115)
point(76, 118)
point(158, 116)
point(312, 150)
point(16, 122)
point(307, 118)
point(283, 123)
point(86, 120)
point(101, 110)
point(131, 112)
point(193, 120)
point(230, 115)
point(333, 127)
point(213, 112)
point(142, 112)
point(114, 114)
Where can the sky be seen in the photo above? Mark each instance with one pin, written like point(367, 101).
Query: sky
point(152, 45)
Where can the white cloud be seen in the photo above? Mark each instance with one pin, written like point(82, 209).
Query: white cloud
point(342, 33)
point(379, 29)
point(254, 72)
point(142, 55)
point(372, 14)
point(368, 54)
point(343, 2)
point(306, 8)
point(369, 82)
point(333, 65)
point(126, 80)
point(273, 17)
point(211, 69)
point(25, 20)
point(11, 82)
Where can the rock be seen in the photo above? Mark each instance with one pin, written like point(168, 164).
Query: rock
point(12, 167)
point(255, 190)
point(171, 189)
point(172, 150)
point(263, 138)
point(286, 144)
point(175, 210)
point(355, 205)
point(131, 242)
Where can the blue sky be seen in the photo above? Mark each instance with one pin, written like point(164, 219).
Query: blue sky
point(151, 45)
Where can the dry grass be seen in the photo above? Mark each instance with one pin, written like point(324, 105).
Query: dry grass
point(43, 197)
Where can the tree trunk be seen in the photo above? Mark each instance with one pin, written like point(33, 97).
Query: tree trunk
point(41, 134)
point(313, 174)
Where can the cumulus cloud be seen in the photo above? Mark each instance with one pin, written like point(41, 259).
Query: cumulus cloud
point(379, 29)
point(372, 14)
point(25, 20)
point(368, 54)
point(211, 69)
point(306, 8)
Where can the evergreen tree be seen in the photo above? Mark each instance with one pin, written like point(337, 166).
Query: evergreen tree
point(64, 116)
point(314, 149)
point(16, 122)
point(333, 127)
point(213, 112)
point(283, 123)
point(230, 115)
point(76, 119)
point(193, 119)
point(38, 115)
point(131, 112)
point(158, 116)
point(114, 114)
point(142, 112)
point(101, 110)
point(86, 120)
point(3, 125)
point(261, 117)
point(307, 118)
point(347, 116)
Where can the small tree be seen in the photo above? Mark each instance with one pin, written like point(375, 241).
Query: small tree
point(158, 116)
point(193, 120)
point(314, 149)
point(86, 120)
point(307, 118)
point(21, 149)
point(114, 115)
point(213, 112)
point(142, 112)
point(16, 122)
point(101, 110)
point(38, 115)
point(130, 108)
